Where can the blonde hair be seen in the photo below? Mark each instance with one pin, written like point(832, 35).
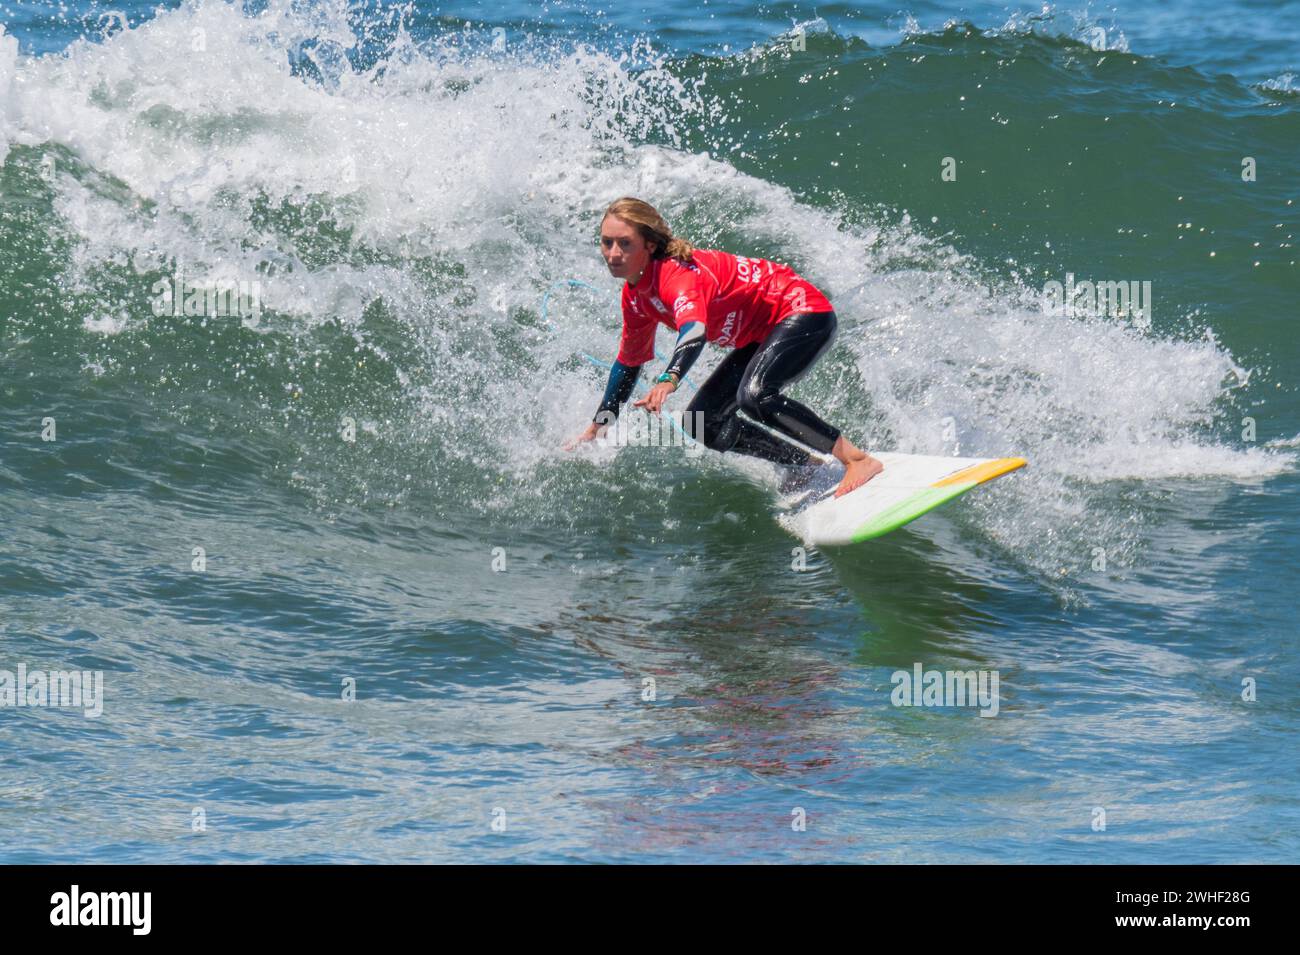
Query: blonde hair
point(647, 221)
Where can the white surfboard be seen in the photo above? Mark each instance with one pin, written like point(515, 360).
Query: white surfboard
point(909, 486)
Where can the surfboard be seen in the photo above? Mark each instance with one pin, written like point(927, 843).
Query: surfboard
point(910, 485)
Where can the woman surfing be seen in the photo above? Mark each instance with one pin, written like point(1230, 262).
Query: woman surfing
point(777, 323)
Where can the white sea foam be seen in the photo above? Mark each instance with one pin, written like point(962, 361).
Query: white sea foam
point(8, 65)
point(1282, 83)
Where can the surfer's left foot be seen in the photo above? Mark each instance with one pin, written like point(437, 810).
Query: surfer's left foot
point(858, 473)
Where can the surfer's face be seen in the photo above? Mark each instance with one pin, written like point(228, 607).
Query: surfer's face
point(626, 253)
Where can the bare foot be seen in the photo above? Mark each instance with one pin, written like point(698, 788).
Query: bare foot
point(858, 473)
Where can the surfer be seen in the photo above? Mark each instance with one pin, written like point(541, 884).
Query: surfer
point(777, 323)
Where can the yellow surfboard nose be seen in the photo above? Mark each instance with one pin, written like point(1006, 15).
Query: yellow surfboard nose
point(979, 473)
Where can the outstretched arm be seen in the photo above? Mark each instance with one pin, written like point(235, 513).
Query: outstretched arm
point(622, 379)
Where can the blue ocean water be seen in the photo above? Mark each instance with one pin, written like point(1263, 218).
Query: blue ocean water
point(350, 602)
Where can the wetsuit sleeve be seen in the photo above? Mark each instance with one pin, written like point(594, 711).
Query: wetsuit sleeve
point(690, 301)
point(689, 345)
point(622, 379)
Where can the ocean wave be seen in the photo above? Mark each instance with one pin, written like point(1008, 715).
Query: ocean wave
point(402, 219)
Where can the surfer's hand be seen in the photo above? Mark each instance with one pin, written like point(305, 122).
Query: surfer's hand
point(593, 431)
point(658, 395)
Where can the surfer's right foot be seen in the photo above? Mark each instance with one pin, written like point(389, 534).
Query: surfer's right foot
point(858, 473)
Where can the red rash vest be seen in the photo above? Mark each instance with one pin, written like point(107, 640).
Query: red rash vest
point(739, 299)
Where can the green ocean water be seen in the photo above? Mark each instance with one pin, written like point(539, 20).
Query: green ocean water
point(620, 655)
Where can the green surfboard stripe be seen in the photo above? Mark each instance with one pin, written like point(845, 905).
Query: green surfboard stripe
point(901, 513)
